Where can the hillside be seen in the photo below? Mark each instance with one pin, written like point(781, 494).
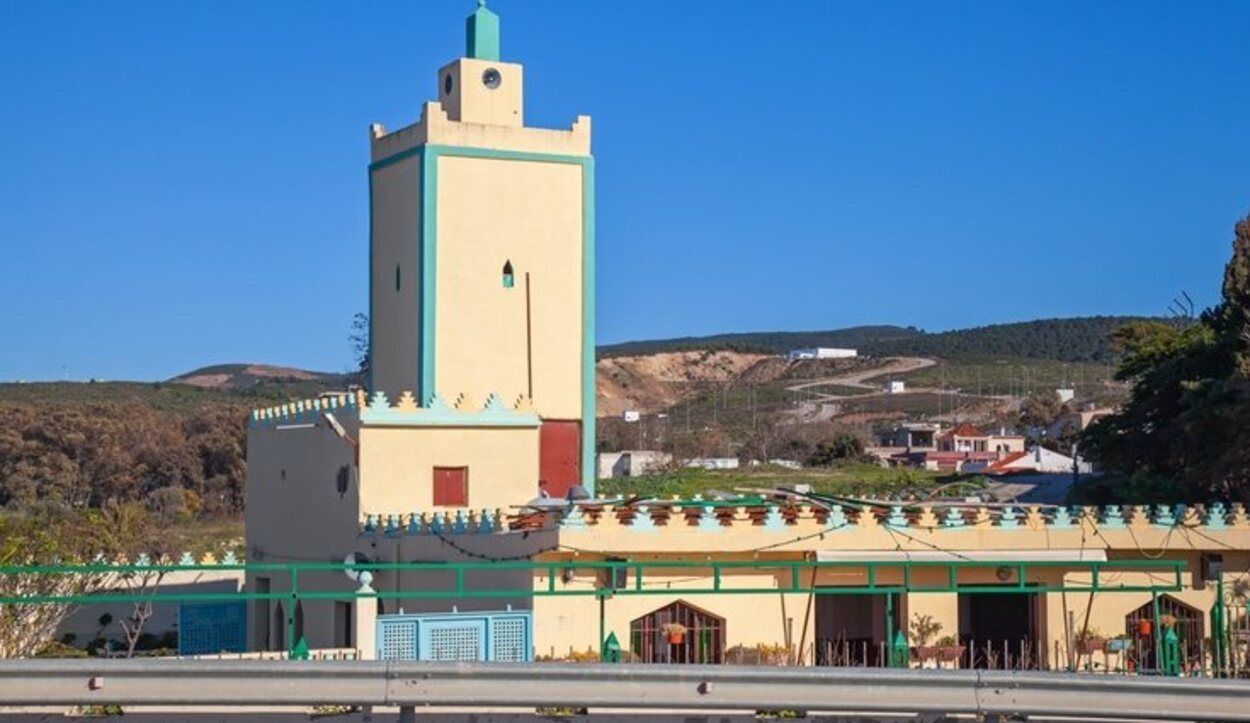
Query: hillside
point(1078, 339)
point(241, 377)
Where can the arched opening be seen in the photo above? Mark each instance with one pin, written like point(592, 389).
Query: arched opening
point(278, 639)
point(1142, 628)
point(508, 278)
point(678, 633)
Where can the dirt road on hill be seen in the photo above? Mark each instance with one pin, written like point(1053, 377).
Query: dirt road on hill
point(822, 406)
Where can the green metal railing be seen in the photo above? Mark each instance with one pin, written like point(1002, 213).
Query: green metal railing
point(648, 578)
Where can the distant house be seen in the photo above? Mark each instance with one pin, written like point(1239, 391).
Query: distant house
point(895, 386)
point(962, 448)
point(1075, 422)
point(967, 438)
point(822, 352)
point(1038, 459)
point(913, 436)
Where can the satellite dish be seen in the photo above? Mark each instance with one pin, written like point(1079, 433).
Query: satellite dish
point(362, 577)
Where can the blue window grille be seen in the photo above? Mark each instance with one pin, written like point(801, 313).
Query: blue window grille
point(470, 636)
point(208, 628)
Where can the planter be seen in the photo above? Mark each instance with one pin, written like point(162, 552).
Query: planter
point(950, 653)
point(1143, 628)
point(1117, 645)
point(676, 638)
point(1092, 645)
point(926, 652)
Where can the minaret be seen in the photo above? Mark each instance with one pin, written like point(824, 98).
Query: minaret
point(482, 255)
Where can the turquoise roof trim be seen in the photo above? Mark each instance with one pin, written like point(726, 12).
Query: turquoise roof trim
point(436, 413)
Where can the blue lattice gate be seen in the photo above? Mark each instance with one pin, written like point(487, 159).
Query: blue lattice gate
point(207, 628)
point(476, 636)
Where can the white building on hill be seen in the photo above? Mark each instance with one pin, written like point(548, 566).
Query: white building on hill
point(822, 352)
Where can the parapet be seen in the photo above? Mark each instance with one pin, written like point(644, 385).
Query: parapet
point(435, 128)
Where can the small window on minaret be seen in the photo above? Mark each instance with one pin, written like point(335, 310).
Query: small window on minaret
point(397, 277)
point(507, 275)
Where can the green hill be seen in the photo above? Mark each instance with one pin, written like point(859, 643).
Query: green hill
point(1079, 339)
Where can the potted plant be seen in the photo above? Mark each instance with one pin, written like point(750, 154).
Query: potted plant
point(948, 649)
point(674, 632)
point(1090, 640)
point(1167, 621)
point(923, 629)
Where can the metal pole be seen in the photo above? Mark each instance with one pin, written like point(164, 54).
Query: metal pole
point(602, 625)
point(290, 613)
point(1157, 639)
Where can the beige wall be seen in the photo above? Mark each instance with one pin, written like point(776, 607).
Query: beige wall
point(295, 513)
point(491, 211)
point(395, 236)
point(397, 466)
point(470, 101)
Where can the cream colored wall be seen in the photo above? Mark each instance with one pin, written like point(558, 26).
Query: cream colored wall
point(470, 101)
point(395, 235)
point(491, 211)
point(397, 466)
point(562, 624)
point(435, 127)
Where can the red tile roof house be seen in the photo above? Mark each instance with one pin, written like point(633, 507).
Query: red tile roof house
point(967, 445)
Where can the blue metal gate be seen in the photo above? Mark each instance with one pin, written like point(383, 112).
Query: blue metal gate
point(207, 628)
point(472, 636)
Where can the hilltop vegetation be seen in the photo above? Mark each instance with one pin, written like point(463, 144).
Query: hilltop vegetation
point(1082, 339)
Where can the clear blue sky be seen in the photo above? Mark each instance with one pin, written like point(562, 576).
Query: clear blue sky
point(184, 183)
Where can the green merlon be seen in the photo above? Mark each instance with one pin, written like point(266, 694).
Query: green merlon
point(482, 33)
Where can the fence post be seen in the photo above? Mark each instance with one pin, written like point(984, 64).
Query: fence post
point(1171, 664)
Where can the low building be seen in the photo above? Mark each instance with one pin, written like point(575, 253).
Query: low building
point(895, 386)
point(1038, 459)
point(1075, 422)
point(913, 436)
point(714, 462)
point(632, 463)
point(822, 352)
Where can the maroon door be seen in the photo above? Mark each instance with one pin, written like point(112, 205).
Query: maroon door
point(559, 456)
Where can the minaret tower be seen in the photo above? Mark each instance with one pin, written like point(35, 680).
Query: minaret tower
point(482, 255)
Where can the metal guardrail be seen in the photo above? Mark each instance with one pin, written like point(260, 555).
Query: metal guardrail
point(638, 687)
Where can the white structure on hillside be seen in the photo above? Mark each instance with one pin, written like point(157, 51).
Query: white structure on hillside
point(632, 463)
point(895, 386)
point(714, 462)
point(822, 352)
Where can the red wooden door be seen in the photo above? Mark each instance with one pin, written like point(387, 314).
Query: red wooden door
point(559, 456)
point(451, 486)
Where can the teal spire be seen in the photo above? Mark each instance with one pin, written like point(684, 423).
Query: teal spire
point(482, 33)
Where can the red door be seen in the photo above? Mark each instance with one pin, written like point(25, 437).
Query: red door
point(559, 456)
point(451, 486)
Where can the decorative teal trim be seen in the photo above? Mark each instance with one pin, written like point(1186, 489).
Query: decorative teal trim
point(428, 252)
point(436, 413)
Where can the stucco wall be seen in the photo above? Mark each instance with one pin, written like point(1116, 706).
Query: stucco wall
point(295, 511)
point(394, 238)
point(397, 466)
point(491, 211)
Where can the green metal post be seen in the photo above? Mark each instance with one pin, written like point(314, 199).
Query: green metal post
point(290, 614)
point(889, 629)
point(1171, 653)
point(1155, 636)
point(602, 627)
point(1219, 630)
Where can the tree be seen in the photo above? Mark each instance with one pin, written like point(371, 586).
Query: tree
point(1040, 408)
point(1185, 431)
point(358, 339)
point(73, 538)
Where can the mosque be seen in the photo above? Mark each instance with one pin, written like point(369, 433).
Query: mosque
point(463, 477)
